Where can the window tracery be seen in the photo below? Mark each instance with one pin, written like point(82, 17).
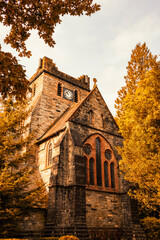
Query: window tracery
point(101, 165)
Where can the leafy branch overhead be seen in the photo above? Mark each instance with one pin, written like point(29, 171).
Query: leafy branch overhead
point(12, 77)
point(43, 15)
point(22, 16)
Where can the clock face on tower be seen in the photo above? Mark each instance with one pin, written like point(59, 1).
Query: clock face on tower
point(68, 94)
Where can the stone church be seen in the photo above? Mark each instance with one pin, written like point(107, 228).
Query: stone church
point(78, 161)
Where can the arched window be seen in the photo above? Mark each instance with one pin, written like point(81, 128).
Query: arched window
point(106, 174)
point(76, 96)
point(91, 171)
point(86, 172)
point(112, 175)
point(59, 89)
point(101, 164)
point(98, 162)
point(49, 160)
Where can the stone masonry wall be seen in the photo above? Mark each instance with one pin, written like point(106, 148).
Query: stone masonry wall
point(47, 106)
point(33, 224)
point(103, 209)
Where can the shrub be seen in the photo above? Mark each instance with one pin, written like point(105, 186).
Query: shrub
point(68, 237)
point(152, 227)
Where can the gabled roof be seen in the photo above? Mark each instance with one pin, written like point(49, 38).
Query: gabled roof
point(60, 123)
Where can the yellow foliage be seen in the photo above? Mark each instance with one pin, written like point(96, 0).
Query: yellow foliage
point(138, 117)
point(152, 227)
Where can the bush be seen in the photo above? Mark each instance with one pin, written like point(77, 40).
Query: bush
point(68, 237)
point(152, 227)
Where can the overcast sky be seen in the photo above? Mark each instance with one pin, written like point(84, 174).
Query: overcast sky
point(99, 46)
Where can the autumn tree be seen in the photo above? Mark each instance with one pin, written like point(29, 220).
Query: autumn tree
point(23, 16)
point(17, 168)
point(141, 61)
point(138, 118)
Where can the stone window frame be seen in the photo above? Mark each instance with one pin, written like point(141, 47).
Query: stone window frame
point(59, 89)
point(91, 116)
point(112, 178)
point(102, 121)
point(34, 89)
point(49, 151)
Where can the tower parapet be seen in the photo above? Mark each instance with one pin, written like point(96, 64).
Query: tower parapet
point(48, 66)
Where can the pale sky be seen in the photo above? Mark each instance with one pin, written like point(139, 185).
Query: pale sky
point(99, 46)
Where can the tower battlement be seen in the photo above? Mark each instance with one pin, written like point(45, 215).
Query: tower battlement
point(47, 65)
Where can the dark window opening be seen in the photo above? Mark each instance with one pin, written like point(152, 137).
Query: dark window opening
point(76, 96)
point(86, 172)
point(34, 90)
point(91, 171)
point(59, 90)
point(112, 175)
point(106, 174)
point(98, 162)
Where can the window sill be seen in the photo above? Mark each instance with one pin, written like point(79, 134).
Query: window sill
point(101, 189)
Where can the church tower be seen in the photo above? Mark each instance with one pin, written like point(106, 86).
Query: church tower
point(77, 139)
point(52, 93)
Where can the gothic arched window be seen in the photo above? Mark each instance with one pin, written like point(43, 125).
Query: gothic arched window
point(101, 165)
point(76, 96)
point(112, 175)
point(59, 89)
point(106, 174)
point(91, 171)
point(98, 162)
point(49, 158)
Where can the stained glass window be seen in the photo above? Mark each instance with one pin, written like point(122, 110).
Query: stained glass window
point(112, 175)
point(106, 174)
point(98, 162)
point(91, 171)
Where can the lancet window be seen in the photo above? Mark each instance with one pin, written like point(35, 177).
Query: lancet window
point(76, 96)
point(59, 89)
point(49, 157)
